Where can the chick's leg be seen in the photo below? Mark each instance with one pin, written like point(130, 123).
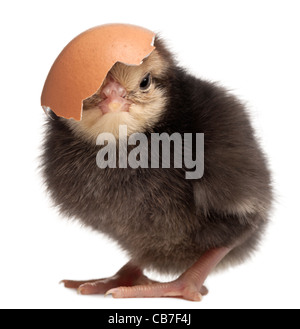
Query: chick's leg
point(188, 286)
point(129, 275)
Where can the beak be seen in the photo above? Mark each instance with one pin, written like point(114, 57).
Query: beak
point(113, 97)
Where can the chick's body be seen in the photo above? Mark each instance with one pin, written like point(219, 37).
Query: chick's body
point(163, 220)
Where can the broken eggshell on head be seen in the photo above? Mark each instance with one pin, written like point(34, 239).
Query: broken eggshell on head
point(82, 66)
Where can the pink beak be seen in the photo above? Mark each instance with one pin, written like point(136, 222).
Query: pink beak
point(113, 96)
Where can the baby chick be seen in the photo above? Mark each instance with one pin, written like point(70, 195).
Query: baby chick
point(164, 221)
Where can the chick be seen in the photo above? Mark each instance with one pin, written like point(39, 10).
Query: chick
point(164, 221)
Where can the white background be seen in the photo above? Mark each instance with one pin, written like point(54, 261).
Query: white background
point(252, 47)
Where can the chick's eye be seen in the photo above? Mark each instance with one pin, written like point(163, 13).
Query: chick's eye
point(146, 82)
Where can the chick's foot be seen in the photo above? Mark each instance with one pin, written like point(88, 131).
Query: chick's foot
point(188, 286)
point(130, 275)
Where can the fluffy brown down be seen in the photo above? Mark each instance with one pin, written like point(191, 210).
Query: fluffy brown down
point(162, 220)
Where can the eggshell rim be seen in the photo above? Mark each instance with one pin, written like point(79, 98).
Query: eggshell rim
point(128, 64)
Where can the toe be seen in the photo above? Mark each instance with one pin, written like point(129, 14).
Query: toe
point(191, 294)
point(97, 287)
point(74, 284)
point(204, 291)
point(172, 289)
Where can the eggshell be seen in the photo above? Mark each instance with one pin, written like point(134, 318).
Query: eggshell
point(82, 66)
